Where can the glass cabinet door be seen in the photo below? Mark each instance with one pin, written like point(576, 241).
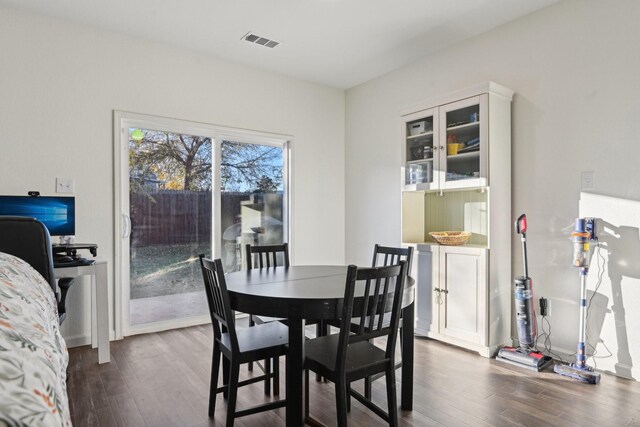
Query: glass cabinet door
point(463, 138)
point(420, 151)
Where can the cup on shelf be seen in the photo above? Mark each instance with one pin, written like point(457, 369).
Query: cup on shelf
point(452, 149)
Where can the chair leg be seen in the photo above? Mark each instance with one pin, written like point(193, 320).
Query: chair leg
point(267, 382)
point(367, 384)
point(367, 388)
point(306, 394)
point(225, 377)
point(276, 376)
point(251, 323)
point(215, 369)
point(349, 398)
point(391, 395)
point(341, 403)
point(321, 331)
point(233, 392)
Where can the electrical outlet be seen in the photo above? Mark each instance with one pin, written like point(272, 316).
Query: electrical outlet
point(548, 307)
point(64, 185)
point(542, 304)
point(588, 180)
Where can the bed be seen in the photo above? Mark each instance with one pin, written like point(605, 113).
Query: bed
point(33, 354)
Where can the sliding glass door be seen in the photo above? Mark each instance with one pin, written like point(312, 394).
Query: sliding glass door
point(187, 189)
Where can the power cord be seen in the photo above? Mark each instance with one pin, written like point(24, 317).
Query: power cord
point(547, 339)
point(601, 269)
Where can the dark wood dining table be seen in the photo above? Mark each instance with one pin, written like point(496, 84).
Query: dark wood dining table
point(311, 292)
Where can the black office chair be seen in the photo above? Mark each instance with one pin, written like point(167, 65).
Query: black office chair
point(29, 240)
point(350, 355)
point(237, 345)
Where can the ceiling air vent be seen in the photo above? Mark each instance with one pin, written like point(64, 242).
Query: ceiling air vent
point(254, 38)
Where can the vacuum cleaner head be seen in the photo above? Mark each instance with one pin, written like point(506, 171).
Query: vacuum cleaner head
point(532, 360)
point(581, 374)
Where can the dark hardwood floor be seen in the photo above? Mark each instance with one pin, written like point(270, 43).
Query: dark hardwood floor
point(162, 379)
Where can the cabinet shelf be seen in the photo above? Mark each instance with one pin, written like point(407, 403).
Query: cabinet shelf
point(423, 246)
point(420, 135)
point(420, 161)
point(463, 126)
point(464, 156)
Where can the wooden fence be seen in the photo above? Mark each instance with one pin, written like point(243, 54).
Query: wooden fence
point(181, 217)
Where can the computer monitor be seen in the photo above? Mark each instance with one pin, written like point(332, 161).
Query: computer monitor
point(57, 213)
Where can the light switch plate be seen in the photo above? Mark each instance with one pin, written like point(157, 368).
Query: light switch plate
point(64, 185)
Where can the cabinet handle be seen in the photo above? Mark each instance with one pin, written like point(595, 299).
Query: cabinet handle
point(445, 291)
point(437, 290)
point(442, 147)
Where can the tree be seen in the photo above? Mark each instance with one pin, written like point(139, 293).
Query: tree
point(183, 162)
point(265, 185)
point(245, 166)
point(178, 161)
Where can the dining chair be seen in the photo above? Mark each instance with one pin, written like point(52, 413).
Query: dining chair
point(384, 256)
point(237, 345)
point(265, 256)
point(350, 355)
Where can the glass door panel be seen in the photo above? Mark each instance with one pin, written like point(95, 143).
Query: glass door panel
point(252, 199)
point(170, 209)
point(420, 150)
point(462, 122)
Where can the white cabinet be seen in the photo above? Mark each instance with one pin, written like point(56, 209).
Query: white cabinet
point(456, 176)
point(456, 281)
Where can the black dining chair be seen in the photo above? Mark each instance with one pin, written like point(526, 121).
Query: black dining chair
point(265, 256)
point(350, 355)
point(384, 256)
point(238, 346)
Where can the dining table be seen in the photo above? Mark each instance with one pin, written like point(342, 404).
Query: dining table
point(309, 293)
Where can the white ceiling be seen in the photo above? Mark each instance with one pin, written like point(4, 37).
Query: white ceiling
point(339, 43)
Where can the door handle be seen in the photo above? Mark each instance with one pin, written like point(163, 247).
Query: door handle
point(126, 226)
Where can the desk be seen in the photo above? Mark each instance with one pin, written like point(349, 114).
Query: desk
point(301, 293)
point(99, 303)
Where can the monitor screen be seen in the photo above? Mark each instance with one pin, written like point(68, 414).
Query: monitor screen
point(57, 213)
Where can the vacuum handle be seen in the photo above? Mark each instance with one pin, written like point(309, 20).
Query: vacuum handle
point(521, 228)
point(521, 224)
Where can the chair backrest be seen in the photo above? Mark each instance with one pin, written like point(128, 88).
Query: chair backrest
point(387, 255)
point(215, 287)
point(382, 289)
point(28, 239)
point(267, 255)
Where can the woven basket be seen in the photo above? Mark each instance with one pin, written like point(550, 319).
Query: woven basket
point(451, 238)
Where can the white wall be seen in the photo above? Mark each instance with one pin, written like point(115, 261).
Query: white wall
point(60, 82)
point(574, 68)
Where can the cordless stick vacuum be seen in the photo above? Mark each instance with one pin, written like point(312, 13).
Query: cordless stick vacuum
point(583, 234)
point(525, 355)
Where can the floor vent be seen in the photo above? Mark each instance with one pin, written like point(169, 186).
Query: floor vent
point(263, 41)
